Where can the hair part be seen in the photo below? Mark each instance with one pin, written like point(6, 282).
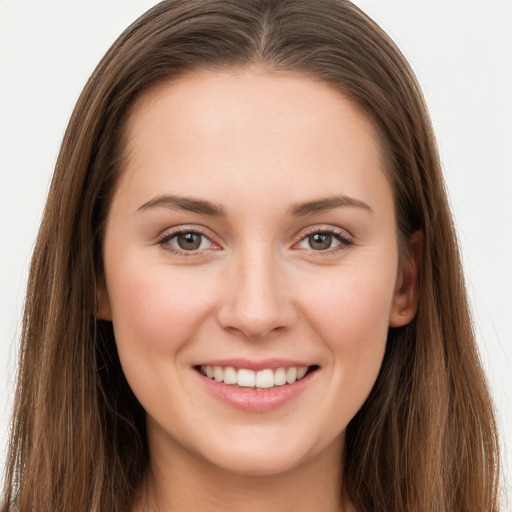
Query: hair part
point(425, 437)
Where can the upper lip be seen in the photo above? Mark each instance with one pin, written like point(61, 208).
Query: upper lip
point(255, 365)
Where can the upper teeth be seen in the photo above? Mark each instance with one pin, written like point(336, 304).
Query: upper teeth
point(250, 379)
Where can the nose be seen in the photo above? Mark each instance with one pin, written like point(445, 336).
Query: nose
point(257, 299)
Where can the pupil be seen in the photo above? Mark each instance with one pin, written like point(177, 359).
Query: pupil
point(320, 241)
point(189, 241)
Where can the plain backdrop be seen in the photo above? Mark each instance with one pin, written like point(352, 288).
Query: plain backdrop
point(461, 51)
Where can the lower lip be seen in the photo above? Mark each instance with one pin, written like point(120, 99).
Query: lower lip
point(248, 399)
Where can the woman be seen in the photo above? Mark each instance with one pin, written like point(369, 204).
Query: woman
point(253, 295)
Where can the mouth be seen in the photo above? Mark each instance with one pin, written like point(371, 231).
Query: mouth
point(261, 380)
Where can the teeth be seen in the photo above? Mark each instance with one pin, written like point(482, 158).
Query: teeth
point(230, 375)
point(246, 378)
point(218, 373)
point(301, 371)
point(265, 379)
point(291, 375)
point(262, 379)
point(280, 377)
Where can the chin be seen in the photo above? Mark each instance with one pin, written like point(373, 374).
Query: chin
point(270, 455)
point(259, 464)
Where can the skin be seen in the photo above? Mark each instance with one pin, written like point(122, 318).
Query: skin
point(256, 145)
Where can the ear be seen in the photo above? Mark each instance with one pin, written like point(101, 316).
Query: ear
point(405, 299)
point(104, 311)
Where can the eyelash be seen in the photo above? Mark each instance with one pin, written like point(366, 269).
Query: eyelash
point(344, 241)
point(167, 237)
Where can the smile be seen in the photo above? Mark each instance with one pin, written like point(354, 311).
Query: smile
point(261, 379)
point(256, 390)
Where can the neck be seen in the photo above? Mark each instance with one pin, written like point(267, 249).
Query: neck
point(182, 481)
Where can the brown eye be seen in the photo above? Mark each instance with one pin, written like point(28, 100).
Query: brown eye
point(186, 241)
point(320, 241)
point(189, 241)
point(324, 241)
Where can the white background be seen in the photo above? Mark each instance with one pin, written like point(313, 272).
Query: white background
point(461, 51)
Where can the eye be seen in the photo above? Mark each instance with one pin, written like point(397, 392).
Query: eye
point(320, 241)
point(186, 241)
point(324, 240)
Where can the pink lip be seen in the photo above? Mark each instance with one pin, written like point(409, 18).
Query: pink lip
point(251, 400)
point(254, 365)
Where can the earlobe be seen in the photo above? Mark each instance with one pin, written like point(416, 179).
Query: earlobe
point(103, 301)
point(405, 300)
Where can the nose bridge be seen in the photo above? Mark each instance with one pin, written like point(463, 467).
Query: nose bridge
point(256, 303)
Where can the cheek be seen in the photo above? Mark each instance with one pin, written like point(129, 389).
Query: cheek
point(156, 316)
point(154, 311)
point(351, 319)
point(350, 314)
point(352, 310)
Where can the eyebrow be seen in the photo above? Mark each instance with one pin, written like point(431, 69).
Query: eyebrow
point(327, 203)
point(188, 204)
point(207, 208)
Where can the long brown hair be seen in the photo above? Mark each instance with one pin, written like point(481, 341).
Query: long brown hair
point(425, 439)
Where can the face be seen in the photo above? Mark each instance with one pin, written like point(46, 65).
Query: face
point(251, 267)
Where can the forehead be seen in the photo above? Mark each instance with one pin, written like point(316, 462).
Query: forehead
point(247, 129)
point(235, 92)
